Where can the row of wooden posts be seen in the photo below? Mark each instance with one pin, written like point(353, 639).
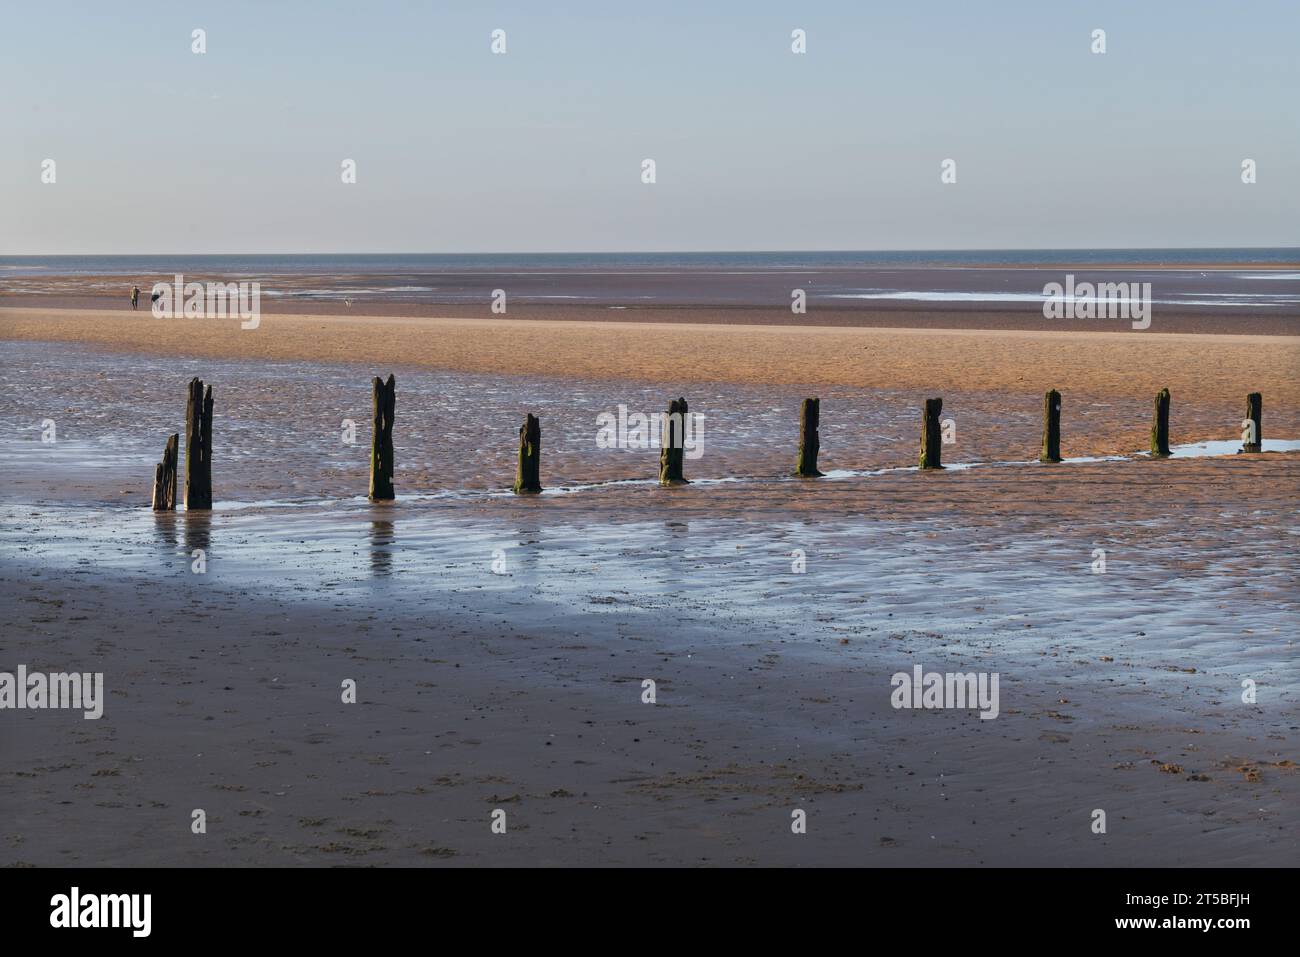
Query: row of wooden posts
point(198, 443)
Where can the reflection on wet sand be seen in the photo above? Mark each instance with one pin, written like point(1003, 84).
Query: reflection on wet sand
point(198, 532)
point(164, 524)
point(194, 527)
point(998, 544)
point(675, 541)
point(382, 541)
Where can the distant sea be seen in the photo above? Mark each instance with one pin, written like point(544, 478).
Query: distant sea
point(324, 263)
point(1226, 280)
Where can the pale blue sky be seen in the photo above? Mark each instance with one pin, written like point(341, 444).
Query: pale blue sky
point(159, 150)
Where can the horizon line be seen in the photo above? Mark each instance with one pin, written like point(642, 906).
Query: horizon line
point(664, 252)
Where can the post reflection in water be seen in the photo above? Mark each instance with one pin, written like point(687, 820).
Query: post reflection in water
point(198, 532)
point(521, 557)
point(382, 540)
point(164, 526)
point(675, 542)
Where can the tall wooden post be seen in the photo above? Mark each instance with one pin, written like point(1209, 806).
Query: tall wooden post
point(809, 439)
point(1160, 425)
point(381, 440)
point(672, 439)
point(198, 447)
point(164, 477)
point(1255, 416)
point(931, 437)
point(1051, 427)
point(529, 476)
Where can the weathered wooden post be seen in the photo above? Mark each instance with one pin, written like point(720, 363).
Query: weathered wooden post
point(198, 447)
point(1254, 423)
point(164, 477)
point(1051, 427)
point(381, 440)
point(809, 439)
point(931, 437)
point(672, 439)
point(1160, 425)
point(529, 476)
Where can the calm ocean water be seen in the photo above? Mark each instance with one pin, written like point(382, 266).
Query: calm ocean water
point(314, 263)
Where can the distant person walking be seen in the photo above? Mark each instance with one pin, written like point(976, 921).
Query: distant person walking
point(135, 297)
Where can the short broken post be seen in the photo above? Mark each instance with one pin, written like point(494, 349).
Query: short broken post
point(381, 440)
point(672, 439)
point(1160, 425)
point(931, 436)
point(198, 447)
point(1051, 427)
point(809, 439)
point(164, 477)
point(528, 478)
point(1253, 427)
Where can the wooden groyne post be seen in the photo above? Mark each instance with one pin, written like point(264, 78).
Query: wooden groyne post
point(672, 439)
point(381, 440)
point(198, 447)
point(931, 436)
point(164, 477)
point(1051, 427)
point(809, 439)
point(1160, 425)
point(529, 476)
point(1255, 418)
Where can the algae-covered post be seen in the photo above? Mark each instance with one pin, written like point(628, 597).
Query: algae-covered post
point(931, 436)
point(1051, 427)
point(672, 438)
point(809, 439)
point(164, 477)
point(1253, 426)
point(529, 476)
point(1160, 425)
point(381, 441)
point(198, 446)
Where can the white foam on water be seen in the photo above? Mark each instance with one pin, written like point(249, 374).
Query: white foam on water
point(944, 296)
point(591, 486)
point(1206, 449)
point(1228, 447)
point(1231, 300)
point(864, 473)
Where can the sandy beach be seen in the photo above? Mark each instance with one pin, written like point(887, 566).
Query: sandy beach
point(903, 357)
point(520, 689)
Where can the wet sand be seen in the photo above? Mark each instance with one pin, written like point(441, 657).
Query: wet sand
point(522, 690)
